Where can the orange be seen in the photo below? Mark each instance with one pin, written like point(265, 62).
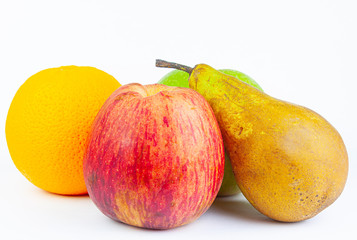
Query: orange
point(48, 123)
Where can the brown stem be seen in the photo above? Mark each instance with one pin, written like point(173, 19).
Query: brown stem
point(166, 64)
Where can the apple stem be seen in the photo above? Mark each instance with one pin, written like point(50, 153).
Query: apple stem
point(166, 64)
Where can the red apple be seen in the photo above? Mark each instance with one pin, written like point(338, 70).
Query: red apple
point(155, 156)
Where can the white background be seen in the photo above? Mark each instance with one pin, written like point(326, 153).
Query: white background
point(301, 51)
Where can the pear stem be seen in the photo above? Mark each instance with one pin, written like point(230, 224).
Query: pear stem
point(166, 64)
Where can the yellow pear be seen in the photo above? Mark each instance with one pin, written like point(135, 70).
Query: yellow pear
point(289, 162)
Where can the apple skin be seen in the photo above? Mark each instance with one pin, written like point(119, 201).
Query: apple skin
point(155, 156)
point(179, 78)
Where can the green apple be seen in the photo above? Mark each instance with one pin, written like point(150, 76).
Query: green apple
point(178, 78)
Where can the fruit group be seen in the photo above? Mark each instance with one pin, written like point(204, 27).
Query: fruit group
point(48, 123)
point(155, 157)
point(289, 162)
point(179, 78)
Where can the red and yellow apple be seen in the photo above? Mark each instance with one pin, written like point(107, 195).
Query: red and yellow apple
point(155, 156)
